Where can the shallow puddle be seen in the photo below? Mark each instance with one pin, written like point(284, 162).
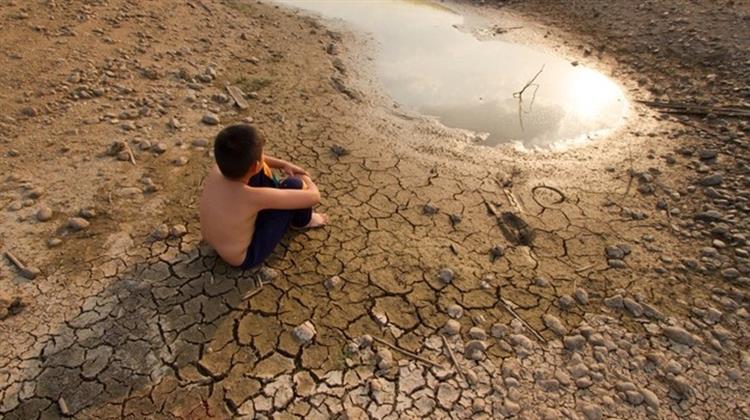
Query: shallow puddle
point(428, 65)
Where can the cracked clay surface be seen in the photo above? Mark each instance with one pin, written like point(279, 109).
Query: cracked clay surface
point(447, 285)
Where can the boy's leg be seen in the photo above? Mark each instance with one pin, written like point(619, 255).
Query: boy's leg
point(271, 225)
point(261, 180)
point(300, 217)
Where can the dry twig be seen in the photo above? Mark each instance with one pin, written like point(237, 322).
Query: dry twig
point(525, 324)
point(453, 358)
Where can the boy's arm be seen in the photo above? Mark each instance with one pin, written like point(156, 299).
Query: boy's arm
point(285, 166)
point(283, 199)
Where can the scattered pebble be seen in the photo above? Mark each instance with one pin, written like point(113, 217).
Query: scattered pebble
point(78, 223)
point(304, 332)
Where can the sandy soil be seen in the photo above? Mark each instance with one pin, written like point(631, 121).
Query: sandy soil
point(627, 299)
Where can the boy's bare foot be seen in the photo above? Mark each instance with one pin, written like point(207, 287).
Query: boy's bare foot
point(317, 220)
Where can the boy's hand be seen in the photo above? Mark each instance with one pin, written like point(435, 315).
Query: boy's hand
point(292, 170)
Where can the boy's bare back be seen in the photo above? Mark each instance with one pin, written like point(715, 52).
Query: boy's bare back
point(227, 216)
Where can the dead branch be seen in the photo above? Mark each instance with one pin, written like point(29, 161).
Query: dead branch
point(453, 358)
point(529, 83)
point(407, 352)
point(525, 324)
point(20, 265)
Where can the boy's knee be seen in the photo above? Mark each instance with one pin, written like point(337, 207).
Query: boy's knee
point(292, 183)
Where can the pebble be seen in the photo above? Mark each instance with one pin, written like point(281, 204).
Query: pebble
point(161, 232)
point(650, 398)
point(452, 327)
point(455, 311)
point(54, 242)
point(332, 282)
point(554, 324)
point(446, 275)
point(178, 231)
point(582, 296)
point(566, 302)
point(365, 341)
point(574, 342)
point(78, 223)
point(498, 330)
point(477, 333)
point(712, 180)
point(496, 252)
point(633, 307)
point(474, 350)
point(44, 214)
point(180, 161)
point(679, 335)
point(430, 209)
point(304, 332)
point(210, 119)
point(384, 358)
point(268, 274)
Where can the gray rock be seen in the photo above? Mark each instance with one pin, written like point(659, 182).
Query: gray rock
point(161, 232)
point(78, 223)
point(452, 327)
point(44, 214)
point(477, 333)
point(566, 302)
point(455, 311)
point(712, 180)
point(210, 119)
point(582, 296)
point(178, 231)
point(498, 330)
point(614, 302)
point(365, 341)
point(679, 335)
point(304, 332)
point(554, 324)
point(384, 359)
point(708, 216)
point(574, 342)
point(430, 209)
point(54, 242)
point(633, 307)
point(474, 350)
point(180, 161)
point(332, 282)
point(446, 275)
point(614, 252)
point(650, 398)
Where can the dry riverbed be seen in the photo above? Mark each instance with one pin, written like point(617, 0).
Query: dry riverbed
point(610, 280)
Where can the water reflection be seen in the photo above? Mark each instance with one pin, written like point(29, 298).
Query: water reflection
point(428, 65)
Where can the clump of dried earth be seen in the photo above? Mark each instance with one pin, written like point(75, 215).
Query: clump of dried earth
point(627, 299)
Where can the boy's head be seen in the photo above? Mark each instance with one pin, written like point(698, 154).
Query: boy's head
point(238, 149)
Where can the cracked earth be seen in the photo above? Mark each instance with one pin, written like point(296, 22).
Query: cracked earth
point(449, 285)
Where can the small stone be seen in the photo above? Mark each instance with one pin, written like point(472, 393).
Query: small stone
point(634, 397)
point(380, 317)
point(614, 252)
point(44, 214)
point(180, 161)
point(474, 350)
point(554, 324)
point(54, 242)
point(477, 333)
point(200, 143)
point(446, 275)
point(712, 180)
point(452, 327)
point(178, 231)
point(304, 332)
point(87, 213)
point(566, 302)
point(574, 342)
point(268, 274)
point(210, 119)
point(581, 296)
point(455, 311)
point(339, 150)
point(679, 335)
point(591, 411)
point(496, 252)
point(455, 219)
point(365, 341)
point(159, 148)
point(78, 223)
point(498, 330)
point(634, 307)
point(161, 232)
point(332, 282)
point(650, 398)
point(384, 359)
point(614, 302)
point(63, 406)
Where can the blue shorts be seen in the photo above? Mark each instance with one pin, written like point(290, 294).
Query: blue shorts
point(271, 224)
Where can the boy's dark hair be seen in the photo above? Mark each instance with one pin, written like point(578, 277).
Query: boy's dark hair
point(237, 148)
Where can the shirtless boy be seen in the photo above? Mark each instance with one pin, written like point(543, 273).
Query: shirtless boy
point(244, 210)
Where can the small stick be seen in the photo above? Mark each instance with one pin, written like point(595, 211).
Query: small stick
point(407, 352)
point(21, 266)
point(582, 269)
point(252, 293)
point(453, 358)
point(525, 324)
point(130, 153)
point(526, 86)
